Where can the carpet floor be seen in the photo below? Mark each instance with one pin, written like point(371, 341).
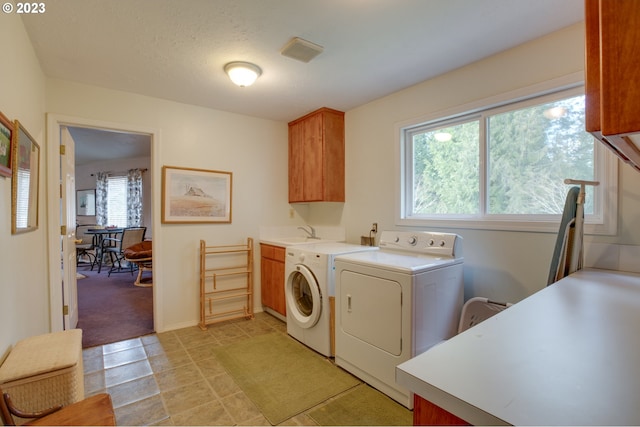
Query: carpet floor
point(310, 378)
point(112, 309)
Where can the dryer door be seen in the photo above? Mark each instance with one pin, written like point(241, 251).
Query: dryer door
point(304, 301)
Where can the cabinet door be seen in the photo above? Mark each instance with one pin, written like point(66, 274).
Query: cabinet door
point(277, 279)
point(266, 282)
point(333, 167)
point(612, 110)
point(313, 171)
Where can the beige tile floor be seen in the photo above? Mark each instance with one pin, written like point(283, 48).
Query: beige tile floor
point(173, 378)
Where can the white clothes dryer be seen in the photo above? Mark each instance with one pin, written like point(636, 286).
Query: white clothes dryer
point(309, 292)
point(396, 303)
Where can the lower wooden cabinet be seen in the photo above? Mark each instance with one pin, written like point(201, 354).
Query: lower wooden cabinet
point(272, 278)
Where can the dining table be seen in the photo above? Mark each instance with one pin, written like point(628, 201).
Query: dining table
point(99, 235)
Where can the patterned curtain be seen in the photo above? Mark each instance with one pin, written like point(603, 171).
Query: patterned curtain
point(134, 198)
point(101, 198)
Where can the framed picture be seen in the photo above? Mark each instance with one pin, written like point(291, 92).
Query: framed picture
point(195, 195)
point(6, 133)
point(25, 180)
point(86, 202)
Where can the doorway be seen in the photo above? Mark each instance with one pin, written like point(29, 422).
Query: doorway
point(93, 150)
point(110, 308)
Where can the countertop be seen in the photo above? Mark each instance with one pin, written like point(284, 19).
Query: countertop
point(567, 355)
point(292, 241)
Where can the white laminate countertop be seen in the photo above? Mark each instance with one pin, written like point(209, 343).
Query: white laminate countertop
point(567, 355)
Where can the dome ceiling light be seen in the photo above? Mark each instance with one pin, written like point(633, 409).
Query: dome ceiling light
point(242, 73)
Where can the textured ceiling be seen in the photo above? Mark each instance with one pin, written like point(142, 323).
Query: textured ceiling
point(176, 49)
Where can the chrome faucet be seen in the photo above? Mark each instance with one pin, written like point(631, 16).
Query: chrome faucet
point(312, 233)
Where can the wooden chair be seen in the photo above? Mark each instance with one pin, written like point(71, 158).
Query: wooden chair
point(93, 411)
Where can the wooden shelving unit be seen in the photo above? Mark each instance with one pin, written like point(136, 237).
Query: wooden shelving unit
point(226, 282)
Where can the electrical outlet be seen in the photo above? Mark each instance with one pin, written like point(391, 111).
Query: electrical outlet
point(374, 227)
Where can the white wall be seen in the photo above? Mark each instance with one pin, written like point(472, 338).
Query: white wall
point(24, 292)
point(500, 265)
point(254, 150)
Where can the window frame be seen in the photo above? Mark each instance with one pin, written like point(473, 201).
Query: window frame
point(602, 222)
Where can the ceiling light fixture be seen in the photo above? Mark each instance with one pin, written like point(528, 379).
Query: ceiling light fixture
point(242, 73)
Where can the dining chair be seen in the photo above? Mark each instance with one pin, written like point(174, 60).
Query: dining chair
point(115, 246)
point(86, 246)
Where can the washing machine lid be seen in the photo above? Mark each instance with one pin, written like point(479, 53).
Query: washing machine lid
point(398, 261)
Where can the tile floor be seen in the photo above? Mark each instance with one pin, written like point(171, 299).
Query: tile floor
point(172, 378)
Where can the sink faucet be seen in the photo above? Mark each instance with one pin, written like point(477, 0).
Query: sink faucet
point(312, 233)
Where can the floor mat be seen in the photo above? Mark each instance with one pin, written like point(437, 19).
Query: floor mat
point(281, 376)
point(362, 406)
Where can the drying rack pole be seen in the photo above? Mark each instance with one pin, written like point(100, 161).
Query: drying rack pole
point(576, 250)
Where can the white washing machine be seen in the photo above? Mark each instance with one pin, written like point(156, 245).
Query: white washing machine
point(309, 287)
point(396, 303)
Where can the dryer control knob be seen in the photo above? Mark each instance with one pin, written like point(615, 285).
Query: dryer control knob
point(432, 242)
point(442, 243)
point(412, 240)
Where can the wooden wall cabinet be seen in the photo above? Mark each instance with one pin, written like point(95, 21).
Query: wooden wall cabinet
point(316, 157)
point(612, 78)
point(272, 278)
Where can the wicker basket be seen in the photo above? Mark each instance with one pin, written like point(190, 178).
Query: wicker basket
point(45, 371)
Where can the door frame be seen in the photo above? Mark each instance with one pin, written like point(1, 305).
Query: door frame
point(54, 123)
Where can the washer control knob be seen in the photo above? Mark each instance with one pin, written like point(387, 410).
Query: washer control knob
point(412, 240)
point(397, 239)
point(442, 243)
point(432, 242)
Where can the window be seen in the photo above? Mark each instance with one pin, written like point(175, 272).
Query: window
point(117, 201)
point(503, 167)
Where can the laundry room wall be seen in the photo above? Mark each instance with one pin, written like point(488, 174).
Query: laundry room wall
point(24, 296)
point(253, 150)
point(503, 265)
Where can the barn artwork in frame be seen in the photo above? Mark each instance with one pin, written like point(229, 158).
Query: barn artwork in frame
point(195, 195)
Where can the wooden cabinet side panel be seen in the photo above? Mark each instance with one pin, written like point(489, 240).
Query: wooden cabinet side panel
point(426, 413)
point(334, 157)
point(620, 66)
point(296, 162)
point(592, 65)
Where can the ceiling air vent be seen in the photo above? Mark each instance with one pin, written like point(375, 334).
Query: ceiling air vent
point(301, 50)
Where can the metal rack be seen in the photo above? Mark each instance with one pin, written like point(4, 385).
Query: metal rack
point(226, 282)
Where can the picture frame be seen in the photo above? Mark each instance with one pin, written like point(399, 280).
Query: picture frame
point(6, 138)
point(191, 196)
point(86, 202)
point(25, 181)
